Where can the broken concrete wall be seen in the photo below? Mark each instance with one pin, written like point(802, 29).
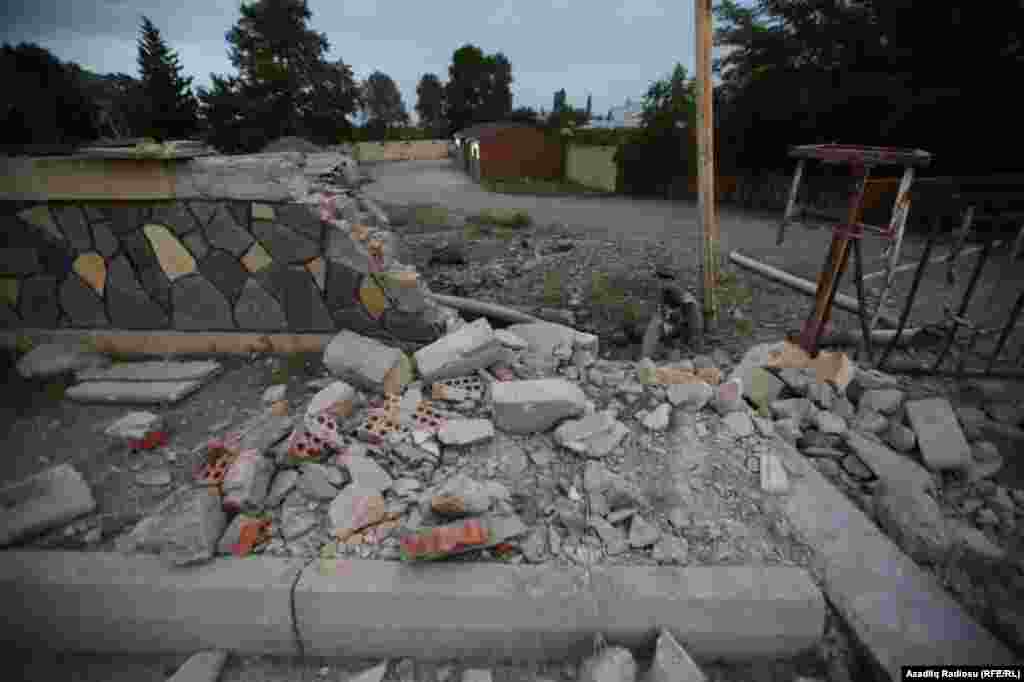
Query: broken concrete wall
point(246, 244)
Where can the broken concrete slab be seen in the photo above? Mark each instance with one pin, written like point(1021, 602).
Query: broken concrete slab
point(46, 500)
point(465, 431)
point(133, 392)
point(671, 662)
point(884, 401)
point(690, 396)
point(183, 530)
point(337, 399)
point(757, 357)
point(50, 360)
point(470, 348)
point(206, 666)
point(354, 509)
point(891, 467)
point(914, 521)
point(364, 362)
point(942, 443)
point(522, 407)
point(152, 371)
point(262, 431)
point(763, 387)
point(135, 426)
point(388, 609)
point(364, 472)
point(544, 337)
point(314, 482)
point(739, 423)
point(901, 614)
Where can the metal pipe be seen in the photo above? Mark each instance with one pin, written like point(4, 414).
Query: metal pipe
point(964, 303)
point(918, 276)
point(1005, 333)
point(882, 336)
point(909, 368)
point(498, 312)
point(897, 227)
point(956, 251)
point(804, 286)
point(791, 203)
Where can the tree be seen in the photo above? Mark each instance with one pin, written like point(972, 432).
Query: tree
point(166, 106)
point(430, 103)
point(50, 106)
point(589, 108)
point(479, 88)
point(383, 104)
point(285, 85)
point(115, 100)
point(559, 105)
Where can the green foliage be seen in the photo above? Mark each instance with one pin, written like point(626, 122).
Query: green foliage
point(166, 108)
point(430, 104)
point(23, 344)
point(479, 88)
point(383, 104)
point(46, 102)
point(284, 87)
point(288, 367)
point(503, 217)
point(431, 216)
point(471, 232)
point(604, 137)
point(553, 294)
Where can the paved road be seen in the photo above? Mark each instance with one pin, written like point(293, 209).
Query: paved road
point(672, 224)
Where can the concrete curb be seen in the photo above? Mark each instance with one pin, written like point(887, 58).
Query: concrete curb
point(901, 614)
point(111, 603)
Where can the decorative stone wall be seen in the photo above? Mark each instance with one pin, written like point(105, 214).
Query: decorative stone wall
point(206, 265)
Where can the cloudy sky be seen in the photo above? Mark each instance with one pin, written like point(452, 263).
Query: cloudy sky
point(611, 49)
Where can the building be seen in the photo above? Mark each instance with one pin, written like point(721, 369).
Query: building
point(508, 150)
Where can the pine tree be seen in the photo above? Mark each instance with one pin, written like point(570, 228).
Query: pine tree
point(166, 107)
point(589, 102)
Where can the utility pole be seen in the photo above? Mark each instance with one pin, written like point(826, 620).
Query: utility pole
point(706, 163)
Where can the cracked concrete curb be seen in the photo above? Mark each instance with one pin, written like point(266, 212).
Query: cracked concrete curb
point(109, 603)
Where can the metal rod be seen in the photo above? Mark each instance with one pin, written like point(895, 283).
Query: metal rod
point(897, 226)
point(935, 261)
point(791, 203)
point(918, 276)
point(964, 303)
point(1018, 243)
point(1007, 329)
point(804, 286)
point(906, 367)
point(957, 250)
point(858, 268)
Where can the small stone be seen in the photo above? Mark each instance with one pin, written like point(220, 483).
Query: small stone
point(821, 395)
point(315, 482)
point(671, 550)
point(613, 664)
point(613, 538)
point(374, 674)
point(942, 443)
point(658, 420)
point(154, 478)
point(135, 426)
point(281, 486)
point(788, 430)
point(465, 431)
point(765, 427)
point(355, 508)
point(987, 517)
point(900, 437)
point(364, 472)
point(884, 401)
point(774, 479)
point(672, 663)
point(274, 394)
point(461, 495)
point(510, 340)
point(827, 422)
point(739, 423)
point(642, 533)
point(691, 396)
point(870, 421)
point(800, 409)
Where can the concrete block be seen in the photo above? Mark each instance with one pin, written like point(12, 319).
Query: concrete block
point(184, 529)
point(535, 405)
point(46, 500)
point(151, 371)
point(900, 613)
point(891, 467)
point(939, 437)
point(133, 392)
point(49, 360)
point(384, 609)
point(464, 351)
point(361, 361)
point(465, 431)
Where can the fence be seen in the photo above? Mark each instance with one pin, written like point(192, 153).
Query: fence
point(415, 150)
point(592, 167)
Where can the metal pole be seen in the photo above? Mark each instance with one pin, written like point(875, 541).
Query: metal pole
point(706, 163)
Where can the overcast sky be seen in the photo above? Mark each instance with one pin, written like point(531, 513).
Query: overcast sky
point(611, 49)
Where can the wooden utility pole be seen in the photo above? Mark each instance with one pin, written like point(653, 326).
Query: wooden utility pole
point(706, 163)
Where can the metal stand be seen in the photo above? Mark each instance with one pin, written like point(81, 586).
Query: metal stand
point(861, 160)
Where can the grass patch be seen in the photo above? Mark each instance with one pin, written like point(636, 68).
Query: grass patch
point(472, 232)
point(536, 186)
point(288, 367)
point(502, 217)
point(504, 233)
point(54, 390)
point(553, 290)
point(23, 345)
point(431, 216)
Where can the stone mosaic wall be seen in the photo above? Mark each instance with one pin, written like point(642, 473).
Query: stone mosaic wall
point(193, 265)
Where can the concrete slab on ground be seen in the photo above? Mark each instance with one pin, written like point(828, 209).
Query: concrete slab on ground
point(381, 609)
point(133, 392)
point(901, 614)
point(152, 371)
